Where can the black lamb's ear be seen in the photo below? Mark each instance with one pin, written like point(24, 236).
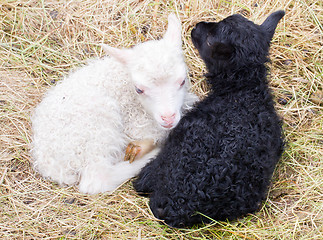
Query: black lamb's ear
point(222, 50)
point(270, 24)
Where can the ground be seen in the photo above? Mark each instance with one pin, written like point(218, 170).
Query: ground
point(43, 40)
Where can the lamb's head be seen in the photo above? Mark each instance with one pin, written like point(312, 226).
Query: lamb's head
point(235, 42)
point(158, 73)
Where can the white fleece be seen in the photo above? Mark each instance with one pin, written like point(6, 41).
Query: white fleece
point(84, 123)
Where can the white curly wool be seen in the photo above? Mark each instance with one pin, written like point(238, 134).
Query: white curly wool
point(83, 124)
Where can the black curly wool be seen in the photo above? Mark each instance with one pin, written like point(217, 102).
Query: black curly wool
point(217, 163)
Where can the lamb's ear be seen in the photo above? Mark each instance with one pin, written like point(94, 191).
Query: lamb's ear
point(122, 55)
point(174, 30)
point(270, 24)
point(221, 50)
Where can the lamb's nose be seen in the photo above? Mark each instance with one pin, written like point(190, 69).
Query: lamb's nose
point(168, 118)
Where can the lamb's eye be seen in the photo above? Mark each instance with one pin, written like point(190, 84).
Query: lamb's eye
point(182, 84)
point(139, 91)
point(208, 42)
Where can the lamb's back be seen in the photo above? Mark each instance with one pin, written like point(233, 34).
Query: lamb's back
point(224, 151)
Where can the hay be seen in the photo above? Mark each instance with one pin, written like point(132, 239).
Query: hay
point(42, 40)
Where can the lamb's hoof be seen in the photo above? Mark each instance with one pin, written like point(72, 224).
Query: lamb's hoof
point(137, 149)
point(132, 152)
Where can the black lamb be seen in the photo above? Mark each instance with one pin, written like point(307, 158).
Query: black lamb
point(218, 162)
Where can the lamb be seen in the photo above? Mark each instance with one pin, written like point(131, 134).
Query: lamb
point(133, 97)
point(218, 161)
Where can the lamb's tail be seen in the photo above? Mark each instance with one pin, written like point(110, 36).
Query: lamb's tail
point(104, 177)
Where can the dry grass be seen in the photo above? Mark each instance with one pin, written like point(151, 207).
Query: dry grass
point(42, 40)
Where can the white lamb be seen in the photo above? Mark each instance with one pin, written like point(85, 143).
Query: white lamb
point(83, 125)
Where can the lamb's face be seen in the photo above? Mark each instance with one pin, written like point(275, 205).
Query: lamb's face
point(161, 87)
point(158, 73)
point(163, 102)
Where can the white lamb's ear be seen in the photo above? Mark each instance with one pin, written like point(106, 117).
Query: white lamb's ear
point(122, 55)
point(174, 30)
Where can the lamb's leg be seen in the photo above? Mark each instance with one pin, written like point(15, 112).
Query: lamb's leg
point(105, 177)
point(137, 149)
